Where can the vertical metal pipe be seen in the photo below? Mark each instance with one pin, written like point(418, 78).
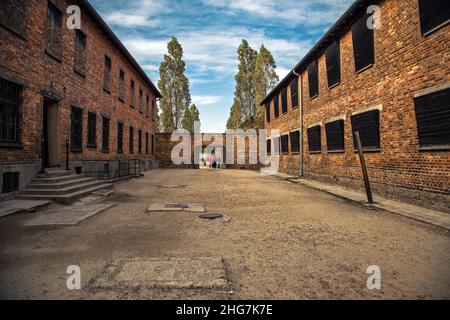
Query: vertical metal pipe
point(364, 168)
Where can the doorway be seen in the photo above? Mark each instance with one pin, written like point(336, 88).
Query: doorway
point(50, 134)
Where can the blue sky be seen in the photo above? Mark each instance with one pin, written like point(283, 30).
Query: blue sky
point(210, 32)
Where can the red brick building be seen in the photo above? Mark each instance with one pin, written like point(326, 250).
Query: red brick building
point(391, 84)
point(58, 84)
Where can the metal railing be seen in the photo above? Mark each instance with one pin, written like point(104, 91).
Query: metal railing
point(112, 169)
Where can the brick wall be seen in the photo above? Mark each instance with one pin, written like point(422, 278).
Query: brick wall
point(405, 63)
point(25, 60)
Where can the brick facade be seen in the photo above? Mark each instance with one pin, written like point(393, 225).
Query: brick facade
point(50, 69)
point(407, 63)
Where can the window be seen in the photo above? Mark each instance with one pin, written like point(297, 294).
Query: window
point(335, 135)
point(122, 85)
point(140, 141)
point(433, 15)
point(131, 141)
point(333, 60)
point(313, 79)
point(13, 16)
point(105, 135)
point(269, 146)
point(107, 75)
point(433, 119)
point(120, 137)
point(92, 130)
point(153, 110)
point(147, 105)
point(276, 107)
point(284, 106)
point(141, 101)
point(10, 182)
point(314, 139)
point(132, 93)
point(267, 112)
point(146, 143)
point(79, 64)
point(294, 93)
point(285, 144)
point(76, 133)
point(53, 31)
point(368, 125)
point(363, 44)
point(153, 144)
point(9, 113)
point(295, 141)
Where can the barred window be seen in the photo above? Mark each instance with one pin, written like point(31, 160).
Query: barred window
point(122, 85)
point(76, 135)
point(269, 146)
point(146, 143)
point(153, 110)
point(107, 74)
point(268, 112)
point(368, 126)
point(335, 135)
point(132, 93)
point(294, 93)
point(79, 64)
point(285, 144)
point(141, 100)
point(153, 144)
point(105, 135)
point(284, 105)
point(9, 112)
point(92, 130)
point(333, 60)
point(53, 32)
point(131, 140)
point(313, 79)
point(434, 14)
point(147, 105)
point(295, 141)
point(140, 141)
point(13, 16)
point(314, 139)
point(276, 107)
point(120, 137)
point(363, 44)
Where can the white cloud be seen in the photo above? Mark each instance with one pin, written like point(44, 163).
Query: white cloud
point(206, 100)
point(141, 13)
point(150, 67)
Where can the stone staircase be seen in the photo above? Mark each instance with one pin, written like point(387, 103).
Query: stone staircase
point(61, 186)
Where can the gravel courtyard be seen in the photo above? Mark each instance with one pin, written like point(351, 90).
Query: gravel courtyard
point(281, 241)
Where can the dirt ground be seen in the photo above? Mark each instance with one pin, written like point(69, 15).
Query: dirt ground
point(283, 241)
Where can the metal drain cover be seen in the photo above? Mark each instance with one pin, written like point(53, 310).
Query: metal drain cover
point(177, 205)
point(211, 216)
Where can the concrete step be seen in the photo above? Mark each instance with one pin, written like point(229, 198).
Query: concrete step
point(59, 191)
point(56, 173)
point(65, 198)
point(57, 179)
point(37, 184)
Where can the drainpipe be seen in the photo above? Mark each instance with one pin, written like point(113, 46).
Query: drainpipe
point(300, 107)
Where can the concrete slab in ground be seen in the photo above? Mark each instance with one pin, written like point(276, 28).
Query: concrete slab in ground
point(170, 273)
point(172, 186)
point(19, 206)
point(188, 207)
point(68, 216)
point(433, 217)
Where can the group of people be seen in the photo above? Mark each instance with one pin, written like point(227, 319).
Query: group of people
point(213, 161)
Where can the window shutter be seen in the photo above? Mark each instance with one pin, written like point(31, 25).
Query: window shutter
point(76, 129)
point(433, 118)
point(433, 14)
point(284, 105)
point(363, 44)
point(276, 107)
point(333, 60)
point(268, 112)
point(368, 125)
point(285, 144)
point(105, 134)
point(335, 135)
point(295, 143)
point(9, 111)
point(294, 93)
point(314, 139)
point(269, 146)
point(313, 79)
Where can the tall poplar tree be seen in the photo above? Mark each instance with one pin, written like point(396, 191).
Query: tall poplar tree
point(174, 87)
point(265, 79)
point(245, 89)
point(190, 117)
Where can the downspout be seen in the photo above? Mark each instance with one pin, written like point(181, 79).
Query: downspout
point(300, 101)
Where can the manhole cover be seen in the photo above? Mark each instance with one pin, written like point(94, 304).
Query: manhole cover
point(177, 205)
point(211, 216)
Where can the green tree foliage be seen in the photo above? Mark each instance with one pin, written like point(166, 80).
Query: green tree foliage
point(265, 79)
point(174, 87)
point(235, 119)
point(190, 117)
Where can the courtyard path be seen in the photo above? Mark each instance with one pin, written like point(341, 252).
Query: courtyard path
point(279, 241)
